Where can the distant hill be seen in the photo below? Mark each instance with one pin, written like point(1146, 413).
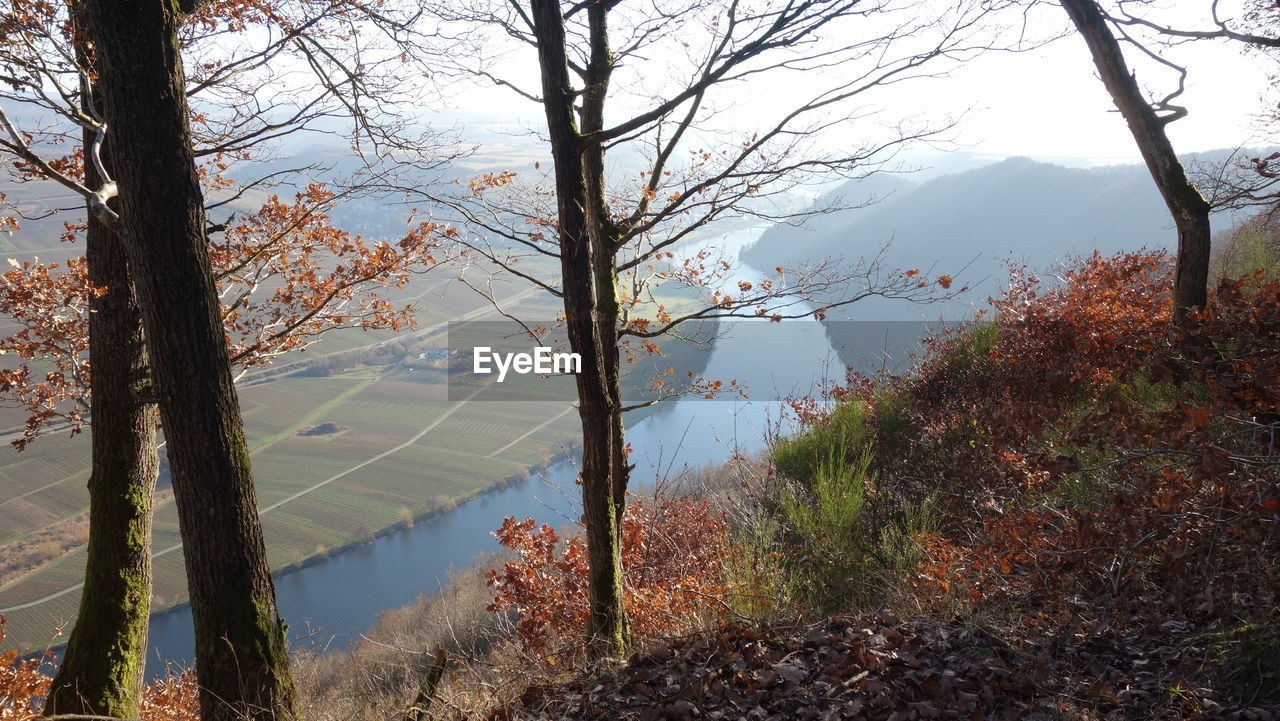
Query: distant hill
point(1019, 209)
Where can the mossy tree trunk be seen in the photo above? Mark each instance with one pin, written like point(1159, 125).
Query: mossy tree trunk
point(588, 250)
point(101, 670)
point(1189, 208)
point(242, 663)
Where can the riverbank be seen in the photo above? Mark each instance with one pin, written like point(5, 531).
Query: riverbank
point(400, 526)
point(172, 641)
point(406, 452)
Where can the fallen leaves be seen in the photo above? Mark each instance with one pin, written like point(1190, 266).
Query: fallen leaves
point(876, 669)
point(882, 669)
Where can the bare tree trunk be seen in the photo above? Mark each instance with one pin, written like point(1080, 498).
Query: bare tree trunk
point(242, 663)
point(101, 671)
point(1189, 208)
point(591, 312)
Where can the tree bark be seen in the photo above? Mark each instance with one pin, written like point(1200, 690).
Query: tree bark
point(1189, 208)
point(101, 670)
point(242, 664)
point(591, 310)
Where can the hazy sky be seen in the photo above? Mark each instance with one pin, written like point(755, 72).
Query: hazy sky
point(1051, 102)
point(1046, 103)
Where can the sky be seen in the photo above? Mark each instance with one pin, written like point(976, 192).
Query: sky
point(1046, 103)
point(1051, 102)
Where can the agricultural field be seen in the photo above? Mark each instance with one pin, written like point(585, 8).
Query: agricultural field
point(337, 458)
point(349, 438)
point(38, 489)
point(400, 451)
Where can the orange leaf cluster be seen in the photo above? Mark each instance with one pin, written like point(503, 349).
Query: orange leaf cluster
point(23, 685)
point(672, 556)
point(488, 181)
point(1104, 318)
point(175, 697)
point(50, 305)
point(286, 275)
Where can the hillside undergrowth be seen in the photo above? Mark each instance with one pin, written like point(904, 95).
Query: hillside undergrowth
point(1094, 491)
point(1066, 509)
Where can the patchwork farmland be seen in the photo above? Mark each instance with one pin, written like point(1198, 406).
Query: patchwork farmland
point(317, 492)
point(351, 437)
point(394, 448)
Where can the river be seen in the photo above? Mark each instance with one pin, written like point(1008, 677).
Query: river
point(332, 602)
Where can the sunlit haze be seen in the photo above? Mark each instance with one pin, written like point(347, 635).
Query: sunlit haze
point(1044, 102)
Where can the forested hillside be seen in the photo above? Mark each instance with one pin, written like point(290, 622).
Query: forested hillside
point(970, 224)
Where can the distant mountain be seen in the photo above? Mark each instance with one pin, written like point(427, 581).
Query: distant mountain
point(1018, 209)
